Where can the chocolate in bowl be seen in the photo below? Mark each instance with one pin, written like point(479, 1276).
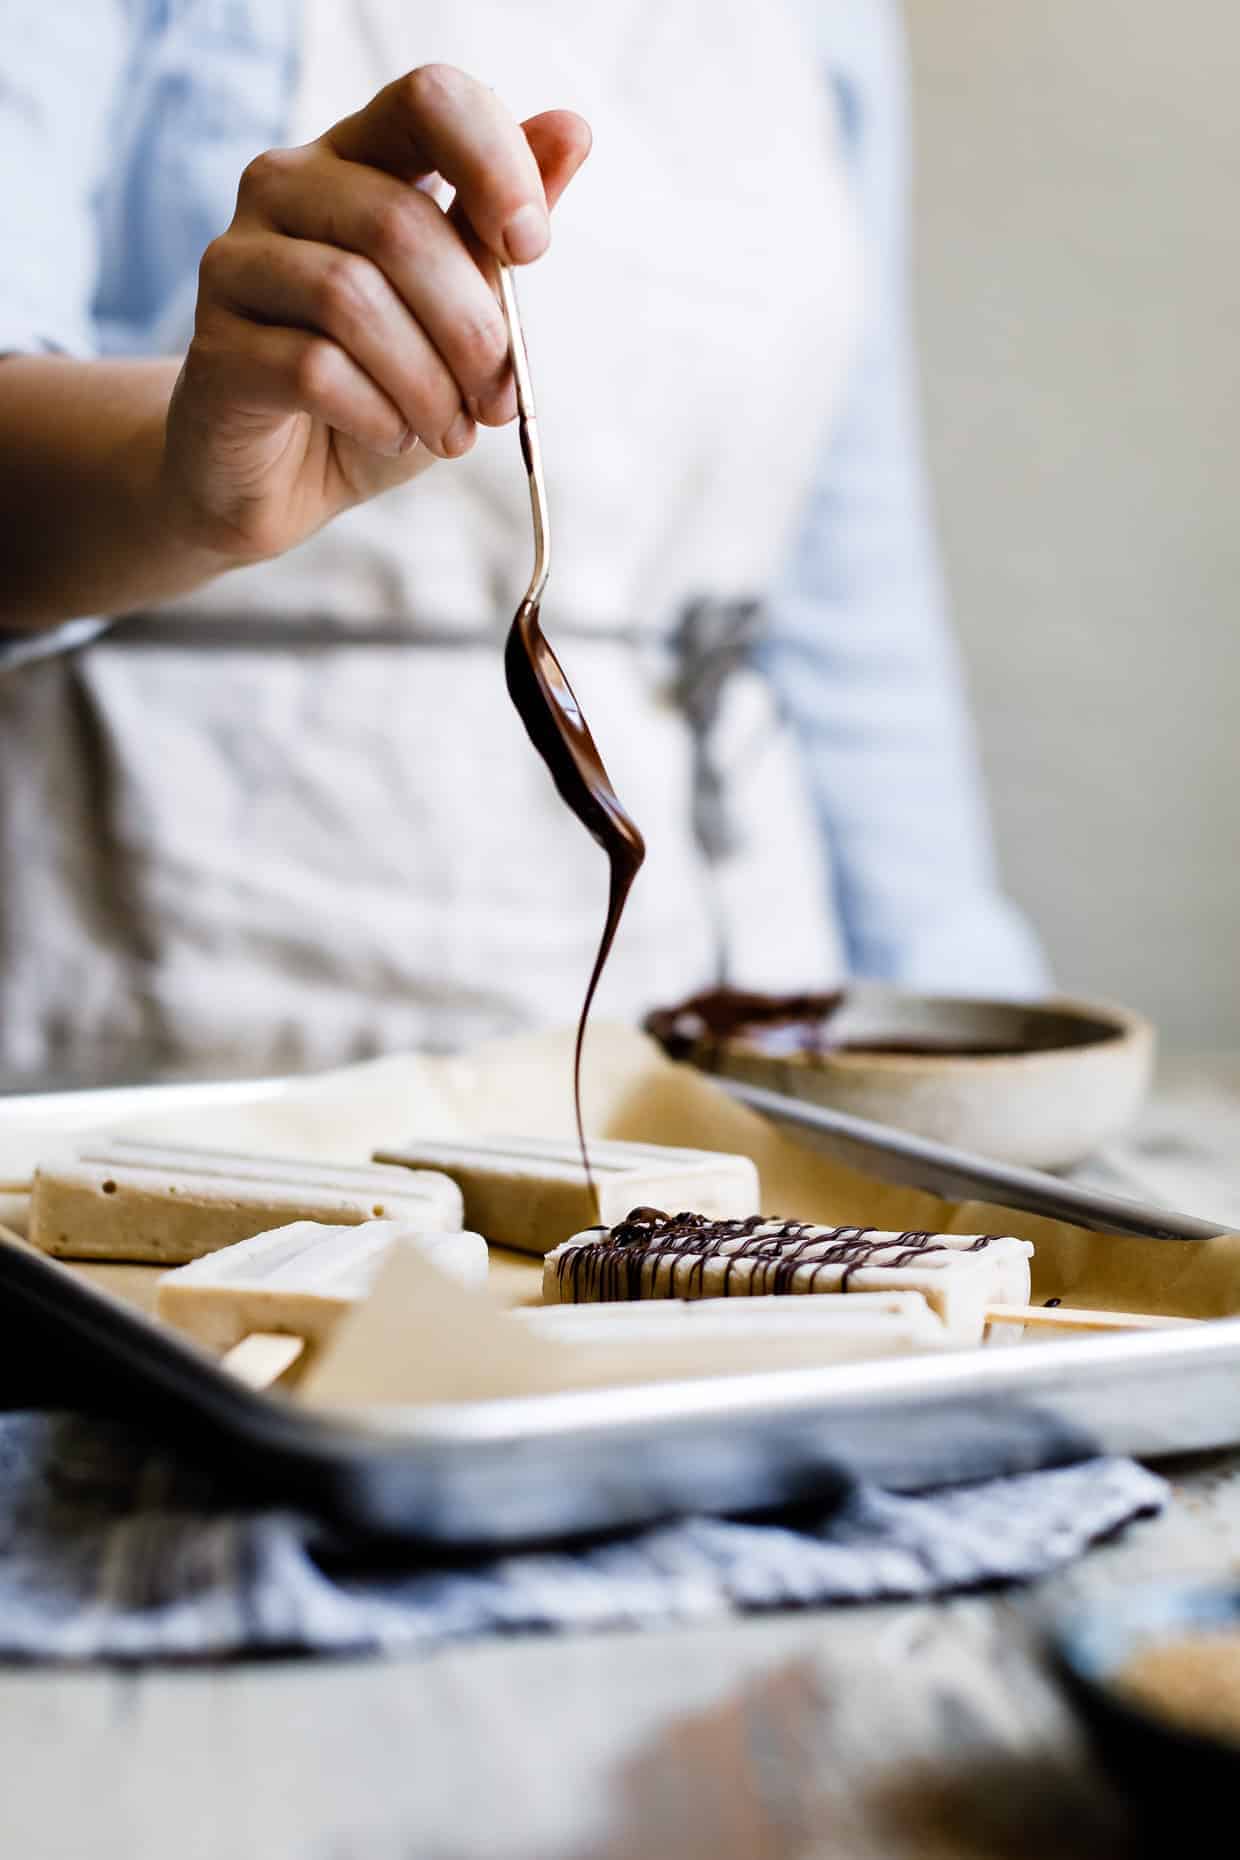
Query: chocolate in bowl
point(798, 1022)
point(1040, 1084)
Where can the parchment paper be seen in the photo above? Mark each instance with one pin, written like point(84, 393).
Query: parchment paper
point(631, 1091)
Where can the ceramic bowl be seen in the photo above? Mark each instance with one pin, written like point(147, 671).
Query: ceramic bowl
point(1182, 1775)
point(1037, 1085)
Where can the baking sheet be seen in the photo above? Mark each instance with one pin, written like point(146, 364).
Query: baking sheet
point(543, 1464)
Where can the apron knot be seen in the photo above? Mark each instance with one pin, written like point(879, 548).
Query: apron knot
point(713, 639)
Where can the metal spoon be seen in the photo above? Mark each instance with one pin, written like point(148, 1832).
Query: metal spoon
point(531, 451)
point(549, 709)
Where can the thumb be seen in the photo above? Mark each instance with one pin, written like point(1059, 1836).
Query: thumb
point(561, 141)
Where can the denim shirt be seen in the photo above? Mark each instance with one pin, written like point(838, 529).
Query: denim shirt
point(124, 125)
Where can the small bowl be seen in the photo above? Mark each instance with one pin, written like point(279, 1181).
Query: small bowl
point(1176, 1770)
point(1040, 1085)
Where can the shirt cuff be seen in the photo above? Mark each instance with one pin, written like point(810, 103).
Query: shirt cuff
point(24, 648)
point(19, 337)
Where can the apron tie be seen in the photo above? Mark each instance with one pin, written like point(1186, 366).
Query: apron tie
point(713, 639)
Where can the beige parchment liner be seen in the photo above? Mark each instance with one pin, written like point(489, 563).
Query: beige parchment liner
point(631, 1091)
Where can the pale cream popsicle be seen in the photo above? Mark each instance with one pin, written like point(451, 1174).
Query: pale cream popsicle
point(730, 1316)
point(299, 1280)
point(659, 1256)
point(166, 1203)
point(531, 1192)
point(725, 1336)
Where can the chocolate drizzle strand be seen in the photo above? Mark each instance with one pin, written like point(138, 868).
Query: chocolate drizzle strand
point(559, 732)
point(787, 1256)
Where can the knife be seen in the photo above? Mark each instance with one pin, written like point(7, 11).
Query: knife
point(899, 1157)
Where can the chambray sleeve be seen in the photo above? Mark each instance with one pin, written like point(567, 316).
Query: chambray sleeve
point(58, 80)
point(859, 647)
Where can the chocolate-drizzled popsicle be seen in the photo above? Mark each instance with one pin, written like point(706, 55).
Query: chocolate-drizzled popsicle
point(977, 1284)
point(655, 1255)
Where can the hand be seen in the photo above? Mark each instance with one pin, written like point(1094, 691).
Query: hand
point(347, 328)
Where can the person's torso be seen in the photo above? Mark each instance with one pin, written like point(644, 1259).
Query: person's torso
point(356, 839)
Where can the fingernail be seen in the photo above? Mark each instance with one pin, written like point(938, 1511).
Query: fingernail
point(407, 441)
point(495, 409)
point(458, 436)
point(527, 235)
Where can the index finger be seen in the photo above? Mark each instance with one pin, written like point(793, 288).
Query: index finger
point(439, 120)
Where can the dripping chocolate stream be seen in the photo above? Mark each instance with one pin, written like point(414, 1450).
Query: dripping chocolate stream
point(559, 732)
point(553, 718)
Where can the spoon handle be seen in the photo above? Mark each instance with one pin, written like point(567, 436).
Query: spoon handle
point(531, 450)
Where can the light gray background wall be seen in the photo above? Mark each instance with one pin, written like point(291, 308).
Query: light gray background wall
point(1078, 271)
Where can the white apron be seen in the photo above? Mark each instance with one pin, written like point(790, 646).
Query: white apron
point(296, 853)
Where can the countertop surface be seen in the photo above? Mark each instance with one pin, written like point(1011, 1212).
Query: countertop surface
point(887, 1731)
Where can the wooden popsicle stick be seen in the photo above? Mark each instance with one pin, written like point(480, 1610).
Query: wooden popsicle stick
point(1068, 1317)
point(262, 1358)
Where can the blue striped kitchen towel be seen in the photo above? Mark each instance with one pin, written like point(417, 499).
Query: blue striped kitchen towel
point(113, 1548)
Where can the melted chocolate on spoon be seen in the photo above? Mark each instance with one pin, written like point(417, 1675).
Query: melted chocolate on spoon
point(550, 712)
point(559, 732)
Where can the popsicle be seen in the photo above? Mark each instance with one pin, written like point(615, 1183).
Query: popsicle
point(167, 1203)
point(728, 1337)
point(828, 1326)
point(531, 1193)
point(655, 1255)
point(295, 1284)
point(633, 1317)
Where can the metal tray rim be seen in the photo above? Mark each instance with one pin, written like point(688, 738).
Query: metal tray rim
point(1037, 1368)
